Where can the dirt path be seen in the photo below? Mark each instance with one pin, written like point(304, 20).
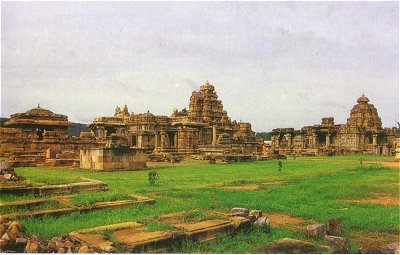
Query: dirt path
point(287, 221)
point(377, 198)
point(374, 242)
point(390, 164)
point(242, 187)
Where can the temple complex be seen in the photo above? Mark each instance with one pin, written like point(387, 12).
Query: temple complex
point(363, 133)
point(33, 137)
point(203, 128)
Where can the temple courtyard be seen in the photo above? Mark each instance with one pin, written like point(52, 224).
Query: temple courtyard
point(362, 191)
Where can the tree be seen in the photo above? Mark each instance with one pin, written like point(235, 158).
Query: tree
point(266, 136)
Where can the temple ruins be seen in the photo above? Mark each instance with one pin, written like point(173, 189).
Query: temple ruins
point(363, 133)
point(204, 128)
point(40, 136)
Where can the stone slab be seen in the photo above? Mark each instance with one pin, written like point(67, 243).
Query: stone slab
point(155, 241)
point(24, 202)
point(79, 208)
point(206, 230)
point(118, 226)
point(96, 240)
point(54, 189)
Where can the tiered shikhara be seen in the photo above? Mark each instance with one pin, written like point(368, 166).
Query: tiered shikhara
point(205, 126)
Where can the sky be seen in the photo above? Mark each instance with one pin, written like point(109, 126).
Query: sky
point(273, 64)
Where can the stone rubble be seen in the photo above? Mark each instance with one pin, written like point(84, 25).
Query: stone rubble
point(12, 240)
point(7, 174)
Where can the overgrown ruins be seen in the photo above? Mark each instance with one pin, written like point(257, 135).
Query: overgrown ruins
point(40, 137)
point(363, 133)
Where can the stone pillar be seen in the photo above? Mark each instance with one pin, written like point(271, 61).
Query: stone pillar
point(289, 138)
point(397, 149)
point(162, 141)
point(374, 143)
point(214, 135)
point(328, 140)
point(176, 140)
point(139, 141)
point(314, 140)
point(374, 139)
point(101, 132)
point(156, 141)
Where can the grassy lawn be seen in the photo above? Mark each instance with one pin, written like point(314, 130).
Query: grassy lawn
point(312, 189)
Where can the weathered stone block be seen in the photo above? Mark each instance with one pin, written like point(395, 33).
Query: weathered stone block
point(334, 227)
point(243, 212)
point(341, 244)
point(316, 230)
point(262, 222)
point(291, 246)
point(393, 248)
point(256, 214)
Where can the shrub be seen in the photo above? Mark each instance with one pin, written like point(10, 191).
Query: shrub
point(153, 177)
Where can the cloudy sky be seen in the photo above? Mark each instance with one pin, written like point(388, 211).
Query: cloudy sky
point(274, 64)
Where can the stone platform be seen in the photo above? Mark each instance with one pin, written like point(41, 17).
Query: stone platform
point(134, 237)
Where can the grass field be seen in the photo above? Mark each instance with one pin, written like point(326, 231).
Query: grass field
point(312, 189)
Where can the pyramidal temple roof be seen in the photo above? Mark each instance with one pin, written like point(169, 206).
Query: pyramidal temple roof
point(38, 116)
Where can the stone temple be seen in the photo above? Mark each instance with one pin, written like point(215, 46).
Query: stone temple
point(203, 128)
point(363, 133)
point(39, 136)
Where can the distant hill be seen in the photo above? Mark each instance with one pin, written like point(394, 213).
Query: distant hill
point(2, 120)
point(77, 128)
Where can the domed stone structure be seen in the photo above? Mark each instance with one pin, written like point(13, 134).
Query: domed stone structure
point(37, 135)
point(363, 133)
point(38, 117)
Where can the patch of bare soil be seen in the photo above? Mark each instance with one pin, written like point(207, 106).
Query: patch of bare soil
point(393, 164)
point(284, 220)
point(374, 242)
point(243, 187)
point(185, 162)
point(274, 183)
point(378, 198)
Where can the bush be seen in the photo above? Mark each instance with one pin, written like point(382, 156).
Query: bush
point(153, 177)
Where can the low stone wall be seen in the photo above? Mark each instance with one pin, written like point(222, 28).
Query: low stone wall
point(112, 159)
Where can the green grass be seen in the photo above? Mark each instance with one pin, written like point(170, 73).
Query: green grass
point(364, 157)
point(29, 208)
point(313, 189)
point(89, 198)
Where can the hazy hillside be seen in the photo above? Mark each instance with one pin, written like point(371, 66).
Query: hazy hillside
point(2, 120)
point(77, 128)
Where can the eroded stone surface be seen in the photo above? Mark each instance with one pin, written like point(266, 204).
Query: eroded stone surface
point(341, 245)
point(316, 230)
point(206, 230)
point(290, 246)
point(96, 240)
point(243, 212)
